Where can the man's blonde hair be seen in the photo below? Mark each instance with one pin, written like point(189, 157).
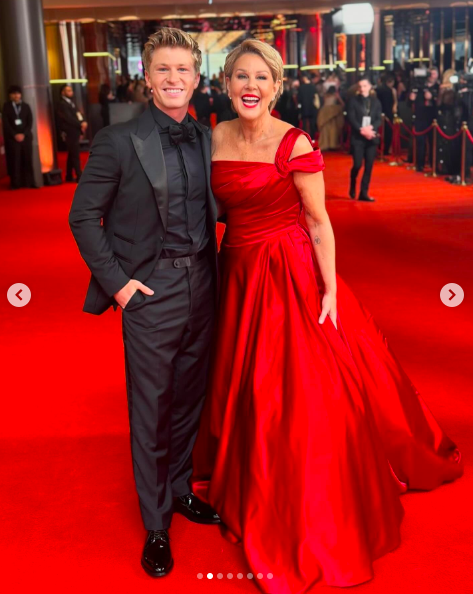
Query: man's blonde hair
point(264, 51)
point(170, 37)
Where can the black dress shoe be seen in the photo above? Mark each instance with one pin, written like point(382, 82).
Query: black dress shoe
point(366, 199)
point(157, 559)
point(352, 193)
point(195, 510)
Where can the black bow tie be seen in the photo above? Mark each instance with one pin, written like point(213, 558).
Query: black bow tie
point(182, 133)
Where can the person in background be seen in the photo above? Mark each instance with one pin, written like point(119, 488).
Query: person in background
point(17, 121)
point(139, 93)
point(71, 125)
point(330, 120)
point(202, 102)
point(364, 115)
point(387, 96)
point(307, 100)
point(222, 106)
point(105, 98)
point(288, 104)
point(400, 85)
point(451, 113)
point(122, 85)
point(423, 100)
point(446, 84)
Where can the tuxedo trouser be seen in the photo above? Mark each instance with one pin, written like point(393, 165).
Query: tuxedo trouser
point(366, 151)
point(20, 158)
point(73, 156)
point(167, 339)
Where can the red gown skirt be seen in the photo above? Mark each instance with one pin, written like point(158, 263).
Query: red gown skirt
point(309, 434)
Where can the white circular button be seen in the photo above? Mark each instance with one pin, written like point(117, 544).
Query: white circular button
point(19, 295)
point(452, 295)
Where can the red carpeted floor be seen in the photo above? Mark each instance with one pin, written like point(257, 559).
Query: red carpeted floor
point(69, 515)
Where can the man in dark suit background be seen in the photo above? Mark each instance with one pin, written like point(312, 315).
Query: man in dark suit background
point(307, 100)
point(71, 125)
point(17, 121)
point(423, 102)
point(364, 115)
point(387, 96)
point(155, 257)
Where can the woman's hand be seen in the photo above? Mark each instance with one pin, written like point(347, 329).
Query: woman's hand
point(329, 308)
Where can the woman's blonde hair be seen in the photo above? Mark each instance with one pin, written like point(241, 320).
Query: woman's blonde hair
point(264, 51)
point(447, 75)
point(170, 37)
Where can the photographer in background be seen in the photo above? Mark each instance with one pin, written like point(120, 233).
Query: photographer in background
point(423, 100)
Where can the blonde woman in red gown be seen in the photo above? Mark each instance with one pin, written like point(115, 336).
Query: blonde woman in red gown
point(311, 428)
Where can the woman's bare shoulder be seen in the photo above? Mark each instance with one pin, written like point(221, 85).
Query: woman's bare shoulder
point(301, 146)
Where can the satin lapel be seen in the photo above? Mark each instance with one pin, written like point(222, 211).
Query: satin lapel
point(205, 138)
point(150, 154)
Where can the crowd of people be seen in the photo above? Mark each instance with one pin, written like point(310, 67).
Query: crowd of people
point(317, 102)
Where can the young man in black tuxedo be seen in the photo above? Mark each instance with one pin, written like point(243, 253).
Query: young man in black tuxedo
point(17, 122)
point(71, 124)
point(155, 257)
point(364, 115)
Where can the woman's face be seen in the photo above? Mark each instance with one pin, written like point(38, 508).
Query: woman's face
point(251, 86)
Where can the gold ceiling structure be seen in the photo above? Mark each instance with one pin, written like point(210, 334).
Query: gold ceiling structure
point(214, 42)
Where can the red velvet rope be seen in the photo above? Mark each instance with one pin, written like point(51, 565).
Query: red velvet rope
point(389, 122)
point(426, 131)
point(407, 128)
point(442, 133)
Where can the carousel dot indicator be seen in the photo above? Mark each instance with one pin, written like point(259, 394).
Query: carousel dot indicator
point(260, 576)
point(249, 576)
point(239, 576)
point(270, 576)
point(229, 576)
point(210, 576)
point(200, 576)
point(220, 576)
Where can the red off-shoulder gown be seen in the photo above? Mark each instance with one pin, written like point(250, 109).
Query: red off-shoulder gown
point(309, 434)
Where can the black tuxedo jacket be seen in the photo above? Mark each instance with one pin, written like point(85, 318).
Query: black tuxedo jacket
point(67, 119)
point(125, 184)
point(355, 117)
point(9, 126)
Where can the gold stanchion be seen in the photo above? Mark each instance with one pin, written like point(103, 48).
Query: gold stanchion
point(464, 129)
point(383, 135)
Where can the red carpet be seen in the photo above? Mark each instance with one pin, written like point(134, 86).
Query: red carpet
point(69, 514)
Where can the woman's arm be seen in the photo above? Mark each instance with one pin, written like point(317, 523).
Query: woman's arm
point(312, 190)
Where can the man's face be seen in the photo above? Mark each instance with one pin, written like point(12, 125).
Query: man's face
point(172, 77)
point(433, 77)
point(68, 92)
point(364, 87)
point(16, 97)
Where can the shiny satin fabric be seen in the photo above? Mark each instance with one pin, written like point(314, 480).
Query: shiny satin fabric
point(309, 434)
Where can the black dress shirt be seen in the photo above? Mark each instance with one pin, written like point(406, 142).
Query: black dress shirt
point(187, 190)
